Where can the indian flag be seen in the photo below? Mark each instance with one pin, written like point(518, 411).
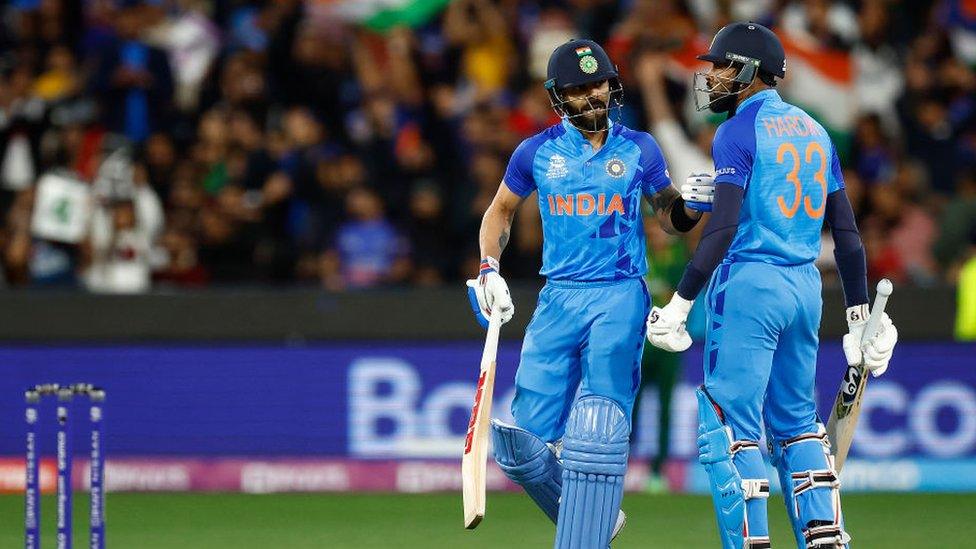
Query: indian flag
point(383, 15)
point(821, 81)
point(818, 80)
point(583, 51)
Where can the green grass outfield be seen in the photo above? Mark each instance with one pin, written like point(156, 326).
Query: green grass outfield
point(189, 521)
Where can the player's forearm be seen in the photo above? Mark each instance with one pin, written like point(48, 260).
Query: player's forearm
point(671, 212)
point(715, 242)
point(848, 249)
point(496, 227)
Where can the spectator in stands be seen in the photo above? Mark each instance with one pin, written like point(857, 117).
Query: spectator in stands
point(427, 236)
point(958, 222)
point(122, 249)
point(254, 121)
point(368, 251)
point(133, 79)
point(872, 154)
point(479, 30)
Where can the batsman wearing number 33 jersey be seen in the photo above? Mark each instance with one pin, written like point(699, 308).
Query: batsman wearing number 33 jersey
point(777, 181)
point(580, 365)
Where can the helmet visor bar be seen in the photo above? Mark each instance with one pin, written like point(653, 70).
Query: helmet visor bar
point(712, 88)
point(589, 119)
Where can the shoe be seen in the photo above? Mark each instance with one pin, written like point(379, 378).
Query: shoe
point(621, 522)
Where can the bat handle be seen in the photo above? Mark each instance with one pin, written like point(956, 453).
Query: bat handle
point(877, 311)
point(491, 338)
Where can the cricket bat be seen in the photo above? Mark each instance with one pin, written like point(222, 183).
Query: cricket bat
point(847, 405)
point(475, 461)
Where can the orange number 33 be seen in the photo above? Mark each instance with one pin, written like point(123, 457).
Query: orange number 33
point(794, 177)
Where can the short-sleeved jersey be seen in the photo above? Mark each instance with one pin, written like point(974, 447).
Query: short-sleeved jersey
point(787, 165)
point(590, 202)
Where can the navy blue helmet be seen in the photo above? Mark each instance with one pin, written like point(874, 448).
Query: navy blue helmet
point(748, 43)
point(579, 63)
point(752, 48)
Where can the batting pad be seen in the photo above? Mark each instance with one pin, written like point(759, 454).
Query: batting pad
point(811, 489)
point(736, 474)
point(594, 457)
point(530, 463)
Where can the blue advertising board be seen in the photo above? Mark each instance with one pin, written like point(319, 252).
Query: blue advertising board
point(405, 401)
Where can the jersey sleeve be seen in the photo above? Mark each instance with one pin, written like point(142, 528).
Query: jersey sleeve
point(733, 152)
point(518, 175)
point(654, 169)
point(836, 180)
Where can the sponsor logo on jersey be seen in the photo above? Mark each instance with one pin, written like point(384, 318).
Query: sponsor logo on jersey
point(725, 171)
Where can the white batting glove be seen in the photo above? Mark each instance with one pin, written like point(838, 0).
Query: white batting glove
point(666, 325)
point(490, 290)
point(698, 191)
point(875, 353)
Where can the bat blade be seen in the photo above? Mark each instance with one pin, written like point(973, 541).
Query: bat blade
point(847, 404)
point(845, 413)
point(474, 462)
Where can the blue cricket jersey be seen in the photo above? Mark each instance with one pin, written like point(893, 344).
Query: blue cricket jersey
point(787, 165)
point(590, 202)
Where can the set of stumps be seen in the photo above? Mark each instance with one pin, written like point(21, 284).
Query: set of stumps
point(66, 396)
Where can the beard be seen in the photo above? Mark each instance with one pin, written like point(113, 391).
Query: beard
point(593, 114)
point(721, 102)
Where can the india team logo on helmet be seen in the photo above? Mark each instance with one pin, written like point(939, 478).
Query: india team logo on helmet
point(616, 167)
point(589, 64)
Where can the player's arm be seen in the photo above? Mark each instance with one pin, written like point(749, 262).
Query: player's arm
point(852, 268)
point(669, 207)
point(665, 326)
point(715, 241)
point(848, 248)
point(733, 151)
point(496, 225)
point(489, 290)
point(672, 213)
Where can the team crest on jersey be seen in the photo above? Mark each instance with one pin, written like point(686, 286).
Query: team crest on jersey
point(557, 167)
point(616, 167)
point(589, 64)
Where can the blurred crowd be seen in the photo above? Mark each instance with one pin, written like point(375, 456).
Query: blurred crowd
point(188, 143)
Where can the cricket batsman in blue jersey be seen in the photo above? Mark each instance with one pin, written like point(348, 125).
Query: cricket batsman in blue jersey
point(777, 180)
point(580, 364)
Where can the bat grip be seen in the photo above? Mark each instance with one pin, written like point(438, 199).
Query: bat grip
point(491, 338)
point(877, 311)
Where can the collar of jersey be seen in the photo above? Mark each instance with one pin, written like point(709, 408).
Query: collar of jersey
point(761, 96)
point(579, 142)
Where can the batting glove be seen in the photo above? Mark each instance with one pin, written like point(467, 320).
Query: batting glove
point(666, 325)
point(488, 291)
point(698, 192)
point(876, 351)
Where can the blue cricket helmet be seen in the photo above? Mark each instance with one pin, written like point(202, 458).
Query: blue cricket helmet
point(749, 44)
point(576, 63)
point(755, 50)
